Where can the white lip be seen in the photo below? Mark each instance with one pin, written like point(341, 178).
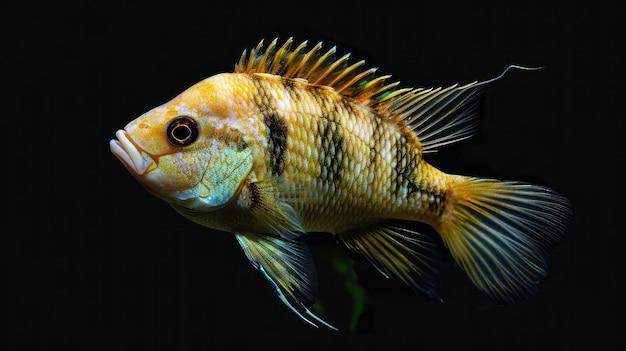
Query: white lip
point(135, 159)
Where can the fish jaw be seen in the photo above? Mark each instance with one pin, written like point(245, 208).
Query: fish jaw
point(136, 160)
point(164, 177)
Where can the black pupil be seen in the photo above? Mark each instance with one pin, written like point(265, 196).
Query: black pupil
point(182, 131)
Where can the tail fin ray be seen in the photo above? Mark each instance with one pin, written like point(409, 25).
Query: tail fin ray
point(500, 233)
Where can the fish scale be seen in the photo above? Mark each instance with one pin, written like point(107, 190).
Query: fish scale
point(296, 141)
point(343, 188)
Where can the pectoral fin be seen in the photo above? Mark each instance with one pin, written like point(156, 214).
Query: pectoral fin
point(272, 213)
point(288, 264)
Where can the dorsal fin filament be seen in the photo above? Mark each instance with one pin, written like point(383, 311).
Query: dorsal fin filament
point(436, 116)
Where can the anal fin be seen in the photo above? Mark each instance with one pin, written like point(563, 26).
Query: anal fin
point(400, 253)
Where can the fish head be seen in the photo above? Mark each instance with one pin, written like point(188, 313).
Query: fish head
point(191, 151)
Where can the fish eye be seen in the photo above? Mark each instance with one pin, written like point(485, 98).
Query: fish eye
point(182, 131)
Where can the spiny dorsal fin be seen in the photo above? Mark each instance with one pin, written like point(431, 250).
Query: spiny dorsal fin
point(316, 68)
point(436, 116)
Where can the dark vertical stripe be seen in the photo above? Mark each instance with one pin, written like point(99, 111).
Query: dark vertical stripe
point(442, 203)
point(433, 206)
point(276, 142)
point(331, 156)
point(376, 141)
point(255, 196)
point(405, 167)
point(329, 129)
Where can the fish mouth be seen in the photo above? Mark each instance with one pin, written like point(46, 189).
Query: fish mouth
point(135, 159)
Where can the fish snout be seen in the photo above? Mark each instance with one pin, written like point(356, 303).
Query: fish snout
point(135, 159)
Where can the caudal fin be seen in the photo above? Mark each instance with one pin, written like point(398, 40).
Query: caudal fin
point(500, 233)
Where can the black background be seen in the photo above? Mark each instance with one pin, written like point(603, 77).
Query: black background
point(96, 263)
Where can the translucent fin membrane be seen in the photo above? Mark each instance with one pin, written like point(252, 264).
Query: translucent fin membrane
point(436, 116)
point(500, 233)
point(317, 67)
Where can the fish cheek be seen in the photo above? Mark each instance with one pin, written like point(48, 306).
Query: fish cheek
point(178, 171)
point(224, 176)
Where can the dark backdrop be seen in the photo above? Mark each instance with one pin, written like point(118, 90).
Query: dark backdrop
point(95, 262)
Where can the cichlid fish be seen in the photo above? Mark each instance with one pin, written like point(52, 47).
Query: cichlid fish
point(298, 141)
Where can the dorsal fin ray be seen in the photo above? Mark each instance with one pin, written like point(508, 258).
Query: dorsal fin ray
point(263, 58)
point(440, 116)
point(436, 116)
point(316, 68)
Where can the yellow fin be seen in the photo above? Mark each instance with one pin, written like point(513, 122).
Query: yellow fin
point(272, 212)
point(316, 68)
point(287, 263)
point(437, 116)
point(500, 233)
point(400, 253)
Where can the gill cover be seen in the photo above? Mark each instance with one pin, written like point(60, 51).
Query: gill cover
point(191, 160)
point(219, 160)
point(222, 181)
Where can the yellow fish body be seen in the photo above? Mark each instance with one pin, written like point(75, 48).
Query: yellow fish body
point(298, 141)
